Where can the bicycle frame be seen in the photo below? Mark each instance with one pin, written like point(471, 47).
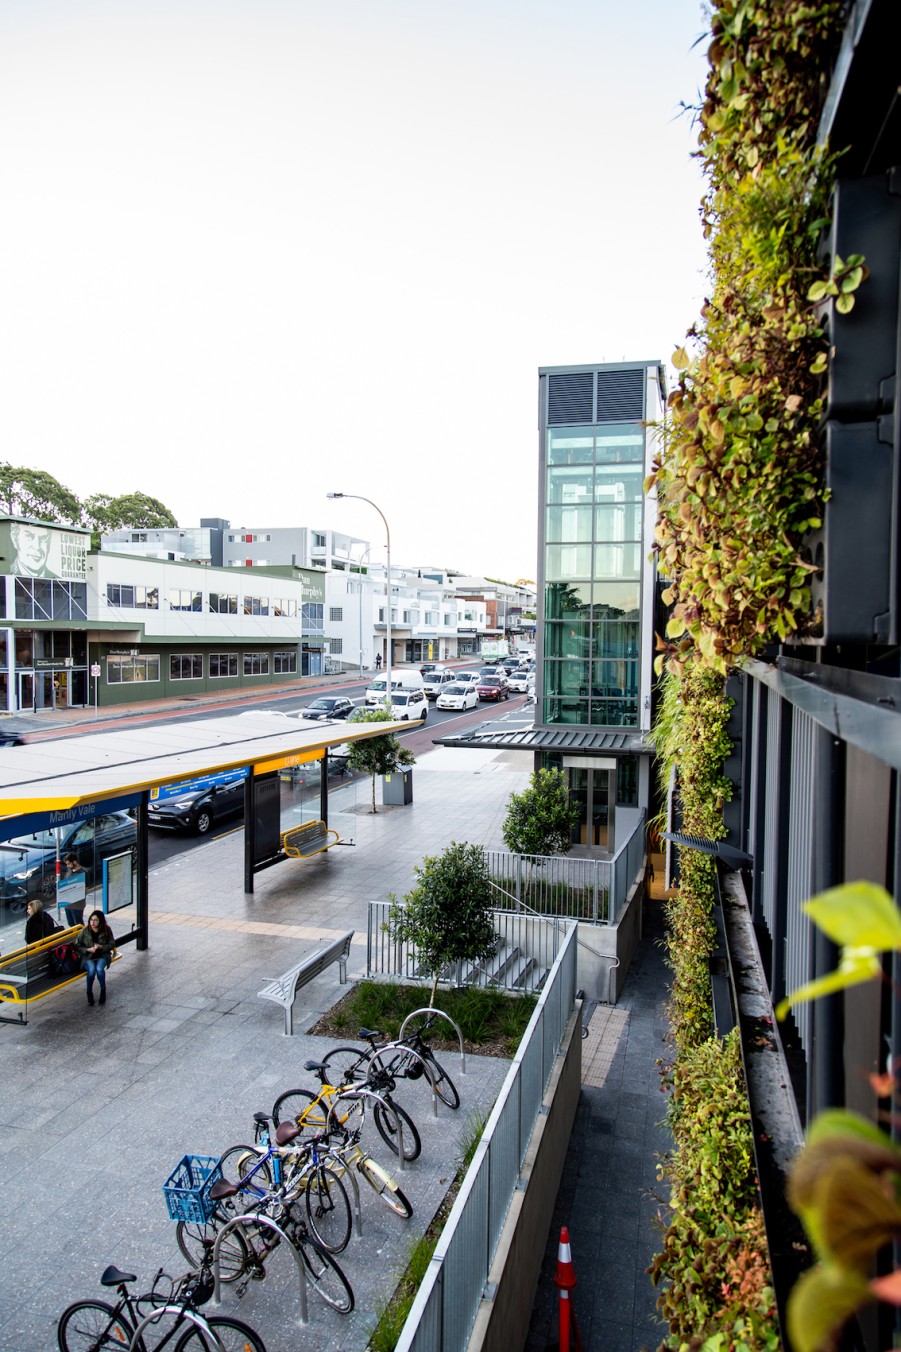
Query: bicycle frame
point(186, 1316)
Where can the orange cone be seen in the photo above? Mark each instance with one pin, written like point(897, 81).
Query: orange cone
point(565, 1280)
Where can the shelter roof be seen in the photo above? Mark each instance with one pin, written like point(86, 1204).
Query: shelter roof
point(65, 772)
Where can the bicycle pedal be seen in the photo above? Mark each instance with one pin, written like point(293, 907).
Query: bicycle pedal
point(258, 1274)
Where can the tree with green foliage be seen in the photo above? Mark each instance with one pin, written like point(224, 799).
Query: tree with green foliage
point(540, 820)
point(137, 511)
point(378, 755)
point(35, 493)
point(447, 915)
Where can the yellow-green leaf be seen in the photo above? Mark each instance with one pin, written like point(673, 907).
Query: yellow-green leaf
point(857, 915)
point(844, 303)
point(822, 1300)
point(864, 966)
point(680, 359)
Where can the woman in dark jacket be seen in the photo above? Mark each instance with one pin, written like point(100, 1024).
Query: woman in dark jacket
point(95, 945)
point(39, 924)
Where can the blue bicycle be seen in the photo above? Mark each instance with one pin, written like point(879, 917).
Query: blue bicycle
point(268, 1168)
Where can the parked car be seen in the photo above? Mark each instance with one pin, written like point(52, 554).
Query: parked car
point(408, 705)
point(458, 695)
point(28, 862)
point(493, 688)
point(518, 681)
point(199, 809)
point(435, 681)
point(327, 706)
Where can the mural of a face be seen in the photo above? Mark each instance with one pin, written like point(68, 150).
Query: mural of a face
point(32, 546)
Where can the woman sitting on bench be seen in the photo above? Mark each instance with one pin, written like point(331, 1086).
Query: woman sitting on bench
point(95, 944)
point(39, 924)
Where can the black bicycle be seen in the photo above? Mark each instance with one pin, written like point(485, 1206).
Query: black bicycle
point(96, 1326)
point(352, 1065)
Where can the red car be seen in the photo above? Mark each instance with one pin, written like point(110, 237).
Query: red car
point(493, 687)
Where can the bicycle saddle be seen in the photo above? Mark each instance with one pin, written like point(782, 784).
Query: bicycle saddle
point(262, 1118)
point(368, 1033)
point(285, 1132)
point(315, 1065)
point(112, 1276)
point(223, 1189)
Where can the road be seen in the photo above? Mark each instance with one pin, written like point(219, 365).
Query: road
point(164, 844)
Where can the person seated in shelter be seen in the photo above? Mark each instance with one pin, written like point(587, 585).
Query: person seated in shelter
point(39, 923)
point(94, 945)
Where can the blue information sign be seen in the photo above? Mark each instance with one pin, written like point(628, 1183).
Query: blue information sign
point(164, 791)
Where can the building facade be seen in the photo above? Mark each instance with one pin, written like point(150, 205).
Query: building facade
point(83, 627)
point(596, 584)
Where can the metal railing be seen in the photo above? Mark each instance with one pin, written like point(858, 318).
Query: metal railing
point(442, 1315)
point(527, 948)
point(559, 885)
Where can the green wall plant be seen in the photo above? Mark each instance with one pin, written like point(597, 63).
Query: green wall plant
point(740, 477)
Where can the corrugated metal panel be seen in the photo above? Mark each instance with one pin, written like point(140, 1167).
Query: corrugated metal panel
point(620, 396)
point(771, 813)
point(569, 398)
point(799, 961)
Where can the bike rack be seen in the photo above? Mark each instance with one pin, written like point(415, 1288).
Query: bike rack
point(408, 1051)
point(136, 1345)
point(259, 1221)
point(371, 1094)
point(430, 1009)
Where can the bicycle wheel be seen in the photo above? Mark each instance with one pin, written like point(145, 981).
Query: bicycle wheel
point(296, 1104)
point(347, 1065)
point(232, 1334)
point(196, 1240)
point(90, 1325)
point(384, 1121)
point(325, 1275)
point(328, 1208)
point(387, 1189)
point(444, 1085)
point(236, 1165)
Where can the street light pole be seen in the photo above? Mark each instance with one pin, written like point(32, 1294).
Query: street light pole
point(364, 555)
point(359, 498)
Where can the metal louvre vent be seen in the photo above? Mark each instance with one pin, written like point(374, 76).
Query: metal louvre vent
point(569, 398)
point(620, 396)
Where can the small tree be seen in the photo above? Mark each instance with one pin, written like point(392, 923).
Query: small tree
point(447, 915)
point(540, 820)
point(378, 755)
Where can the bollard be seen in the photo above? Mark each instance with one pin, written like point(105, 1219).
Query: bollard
point(565, 1280)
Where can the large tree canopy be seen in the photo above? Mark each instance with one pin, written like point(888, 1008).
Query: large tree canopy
point(136, 511)
point(33, 492)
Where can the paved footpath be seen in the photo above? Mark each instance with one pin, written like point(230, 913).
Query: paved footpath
point(99, 1105)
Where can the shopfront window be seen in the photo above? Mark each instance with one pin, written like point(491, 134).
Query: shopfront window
point(185, 666)
point(132, 670)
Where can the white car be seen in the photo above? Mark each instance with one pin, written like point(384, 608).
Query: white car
point(466, 678)
point(408, 705)
point(459, 695)
point(518, 681)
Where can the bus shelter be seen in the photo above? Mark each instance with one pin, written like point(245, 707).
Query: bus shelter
point(74, 810)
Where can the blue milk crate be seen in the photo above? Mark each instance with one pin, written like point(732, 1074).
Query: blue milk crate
point(187, 1189)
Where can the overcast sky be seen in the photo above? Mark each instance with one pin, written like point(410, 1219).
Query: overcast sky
point(256, 251)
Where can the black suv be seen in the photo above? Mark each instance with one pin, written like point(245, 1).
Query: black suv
point(197, 810)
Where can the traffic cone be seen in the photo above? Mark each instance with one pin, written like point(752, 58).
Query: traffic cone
point(565, 1280)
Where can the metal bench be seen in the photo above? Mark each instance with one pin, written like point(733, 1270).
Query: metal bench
point(283, 989)
point(301, 842)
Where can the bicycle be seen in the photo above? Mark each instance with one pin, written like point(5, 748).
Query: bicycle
point(311, 1111)
point(353, 1062)
point(260, 1170)
point(350, 1155)
point(323, 1272)
point(96, 1326)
